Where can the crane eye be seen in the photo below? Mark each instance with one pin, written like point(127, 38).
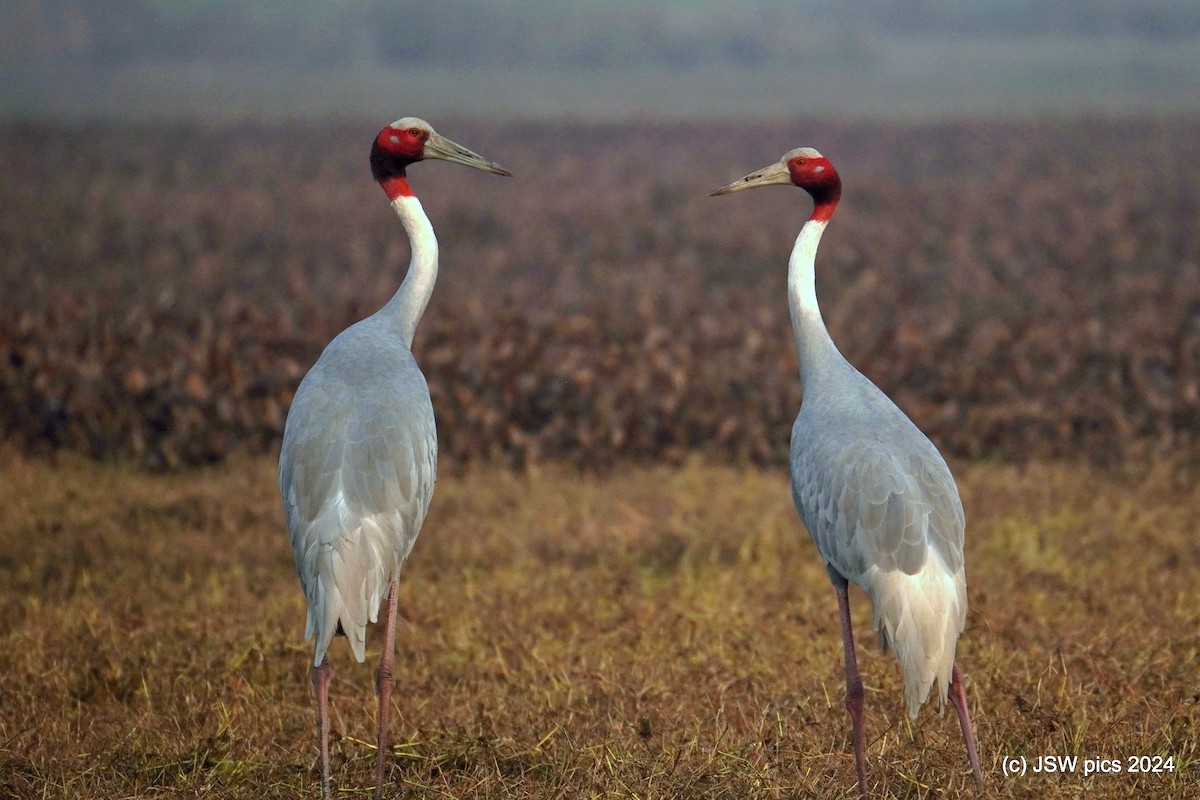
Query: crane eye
point(801, 161)
point(417, 132)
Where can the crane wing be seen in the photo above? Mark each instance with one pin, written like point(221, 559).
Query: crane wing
point(357, 471)
point(867, 504)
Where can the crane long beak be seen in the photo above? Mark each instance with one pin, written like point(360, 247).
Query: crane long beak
point(777, 173)
point(438, 146)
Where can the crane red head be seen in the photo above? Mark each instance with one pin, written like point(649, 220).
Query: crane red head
point(803, 167)
point(409, 140)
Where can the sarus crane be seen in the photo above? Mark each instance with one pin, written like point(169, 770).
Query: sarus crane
point(359, 456)
point(874, 493)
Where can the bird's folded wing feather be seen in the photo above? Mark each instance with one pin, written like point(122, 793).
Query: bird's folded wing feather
point(865, 506)
point(345, 462)
point(356, 474)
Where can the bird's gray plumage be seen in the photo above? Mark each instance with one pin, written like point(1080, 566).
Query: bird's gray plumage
point(884, 512)
point(869, 485)
point(357, 471)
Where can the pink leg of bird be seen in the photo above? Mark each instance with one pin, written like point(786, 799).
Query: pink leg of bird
point(958, 696)
point(321, 675)
point(854, 685)
point(384, 680)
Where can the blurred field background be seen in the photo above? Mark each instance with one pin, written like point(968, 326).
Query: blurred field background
point(612, 596)
point(1024, 290)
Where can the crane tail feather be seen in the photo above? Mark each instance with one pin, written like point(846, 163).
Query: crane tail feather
point(352, 577)
point(920, 617)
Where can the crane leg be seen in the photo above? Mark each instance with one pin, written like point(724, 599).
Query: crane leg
point(854, 685)
point(958, 696)
point(384, 680)
point(321, 675)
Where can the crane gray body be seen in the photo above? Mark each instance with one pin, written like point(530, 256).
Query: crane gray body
point(356, 474)
point(883, 510)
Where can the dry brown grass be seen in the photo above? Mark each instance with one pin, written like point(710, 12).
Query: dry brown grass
point(662, 632)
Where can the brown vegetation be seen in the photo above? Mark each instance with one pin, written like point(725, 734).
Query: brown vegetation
point(1022, 290)
point(663, 632)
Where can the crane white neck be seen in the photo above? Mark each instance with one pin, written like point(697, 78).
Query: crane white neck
point(813, 344)
point(408, 304)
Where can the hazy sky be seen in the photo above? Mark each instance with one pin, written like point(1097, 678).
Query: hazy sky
point(908, 58)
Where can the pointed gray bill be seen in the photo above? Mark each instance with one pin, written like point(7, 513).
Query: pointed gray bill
point(438, 146)
point(777, 173)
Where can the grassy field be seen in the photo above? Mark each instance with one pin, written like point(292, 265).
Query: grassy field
point(653, 633)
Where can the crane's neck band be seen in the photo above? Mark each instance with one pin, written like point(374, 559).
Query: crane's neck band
point(396, 185)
